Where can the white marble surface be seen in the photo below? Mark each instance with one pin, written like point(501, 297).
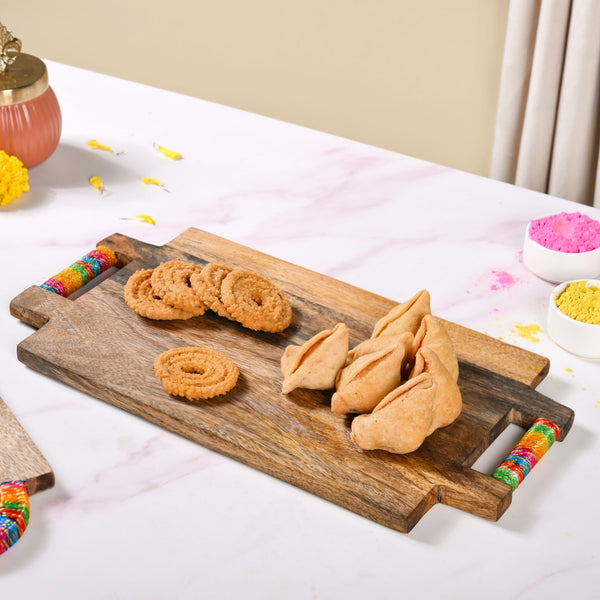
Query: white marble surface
point(138, 512)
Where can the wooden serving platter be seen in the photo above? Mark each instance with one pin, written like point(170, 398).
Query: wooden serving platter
point(98, 345)
point(20, 458)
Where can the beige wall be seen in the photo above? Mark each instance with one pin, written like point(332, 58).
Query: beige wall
point(417, 76)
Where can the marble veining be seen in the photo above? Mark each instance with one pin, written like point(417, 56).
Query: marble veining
point(138, 512)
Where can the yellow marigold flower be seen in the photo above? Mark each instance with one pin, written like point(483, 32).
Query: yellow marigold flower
point(14, 179)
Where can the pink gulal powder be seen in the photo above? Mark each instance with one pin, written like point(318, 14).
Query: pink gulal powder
point(566, 232)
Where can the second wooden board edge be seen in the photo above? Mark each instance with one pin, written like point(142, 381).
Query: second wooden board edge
point(471, 346)
point(20, 458)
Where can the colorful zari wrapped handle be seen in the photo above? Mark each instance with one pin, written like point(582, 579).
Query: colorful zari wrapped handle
point(81, 272)
point(14, 512)
point(527, 453)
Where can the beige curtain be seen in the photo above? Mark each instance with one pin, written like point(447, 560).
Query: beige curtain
point(547, 134)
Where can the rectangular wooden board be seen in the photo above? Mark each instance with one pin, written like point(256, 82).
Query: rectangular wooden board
point(98, 345)
point(20, 458)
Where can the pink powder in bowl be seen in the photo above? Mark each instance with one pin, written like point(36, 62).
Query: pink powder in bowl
point(566, 232)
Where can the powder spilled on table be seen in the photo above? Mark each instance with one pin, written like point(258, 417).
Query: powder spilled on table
point(528, 332)
point(501, 280)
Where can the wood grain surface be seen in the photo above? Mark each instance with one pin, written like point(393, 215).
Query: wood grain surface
point(98, 345)
point(20, 458)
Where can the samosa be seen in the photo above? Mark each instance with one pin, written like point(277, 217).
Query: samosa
point(447, 403)
point(404, 317)
point(400, 422)
point(365, 382)
point(316, 363)
point(433, 334)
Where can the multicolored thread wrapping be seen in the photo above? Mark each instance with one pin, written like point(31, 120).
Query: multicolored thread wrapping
point(79, 273)
point(14, 512)
point(527, 453)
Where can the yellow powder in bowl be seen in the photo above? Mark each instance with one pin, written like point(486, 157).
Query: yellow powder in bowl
point(581, 302)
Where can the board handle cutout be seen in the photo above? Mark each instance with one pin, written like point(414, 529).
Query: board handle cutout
point(536, 441)
point(75, 276)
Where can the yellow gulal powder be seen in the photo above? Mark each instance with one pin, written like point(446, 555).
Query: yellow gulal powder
point(581, 302)
point(528, 332)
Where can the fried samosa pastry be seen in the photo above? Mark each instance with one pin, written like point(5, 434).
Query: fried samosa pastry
point(379, 343)
point(447, 403)
point(361, 385)
point(404, 317)
point(316, 363)
point(400, 422)
point(433, 334)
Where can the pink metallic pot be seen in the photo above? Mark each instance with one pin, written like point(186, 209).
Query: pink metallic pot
point(30, 118)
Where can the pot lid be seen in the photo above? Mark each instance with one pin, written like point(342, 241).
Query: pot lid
point(22, 76)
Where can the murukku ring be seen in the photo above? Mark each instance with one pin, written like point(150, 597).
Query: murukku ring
point(141, 298)
point(196, 373)
point(171, 282)
point(255, 302)
point(207, 286)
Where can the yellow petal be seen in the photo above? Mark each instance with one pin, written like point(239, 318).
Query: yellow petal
point(170, 153)
point(146, 219)
point(96, 181)
point(142, 218)
point(151, 181)
point(98, 146)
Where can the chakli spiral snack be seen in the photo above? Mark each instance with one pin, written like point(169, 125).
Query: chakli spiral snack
point(179, 290)
point(196, 373)
point(141, 298)
point(171, 282)
point(255, 302)
point(207, 286)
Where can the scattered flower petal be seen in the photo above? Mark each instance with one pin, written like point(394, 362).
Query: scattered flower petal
point(14, 179)
point(96, 181)
point(141, 218)
point(170, 153)
point(98, 146)
point(151, 181)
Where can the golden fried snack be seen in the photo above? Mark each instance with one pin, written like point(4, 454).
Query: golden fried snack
point(171, 281)
point(362, 385)
point(195, 373)
point(447, 403)
point(400, 422)
point(141, 298)
point(316, 363)
point(255, 302)
point(433, 334)
point(379, 343)
point(404, 317)
point(207, 286)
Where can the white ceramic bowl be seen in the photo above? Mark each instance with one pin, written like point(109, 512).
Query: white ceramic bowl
point(556, 266)
point(582, 339)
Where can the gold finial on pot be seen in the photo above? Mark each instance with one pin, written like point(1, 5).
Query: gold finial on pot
point(10, 46)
